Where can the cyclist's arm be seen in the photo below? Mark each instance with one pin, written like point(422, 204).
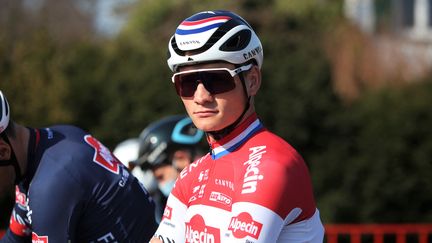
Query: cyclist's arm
point(283, 202)
point(172, 226)
point(52, 204)
point(19, 229)
point(308, 230)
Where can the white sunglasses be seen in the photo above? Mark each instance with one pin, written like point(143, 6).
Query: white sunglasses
point(215, 80)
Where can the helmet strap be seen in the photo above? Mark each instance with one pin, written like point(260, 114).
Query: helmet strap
point(12, 161)
point(225, 131)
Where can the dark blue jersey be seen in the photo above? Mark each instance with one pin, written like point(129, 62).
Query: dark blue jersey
point(75, 190)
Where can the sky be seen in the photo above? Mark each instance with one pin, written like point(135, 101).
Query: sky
point(107, 21)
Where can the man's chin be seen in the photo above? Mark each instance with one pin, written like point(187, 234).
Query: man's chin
point(207, 126)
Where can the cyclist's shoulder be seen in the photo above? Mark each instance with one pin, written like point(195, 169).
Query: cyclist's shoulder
point(272, 148)
point(270, 138)
point(63, 153)
point(65, 141)
point(66, 129)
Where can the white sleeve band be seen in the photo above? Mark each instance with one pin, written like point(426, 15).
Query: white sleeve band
point(310, 230)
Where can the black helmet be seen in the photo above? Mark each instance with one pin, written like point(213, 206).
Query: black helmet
point(159, 140)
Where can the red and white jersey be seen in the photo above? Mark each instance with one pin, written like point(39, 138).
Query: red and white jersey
point(252, 187)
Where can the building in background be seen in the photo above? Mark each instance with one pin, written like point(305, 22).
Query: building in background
point(411, 19)
point(390, 44)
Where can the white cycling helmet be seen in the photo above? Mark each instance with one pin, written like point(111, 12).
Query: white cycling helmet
point(127, 150)
point(214, 36)
point(4, 113)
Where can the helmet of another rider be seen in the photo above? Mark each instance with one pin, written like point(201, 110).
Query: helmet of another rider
point(161, 139)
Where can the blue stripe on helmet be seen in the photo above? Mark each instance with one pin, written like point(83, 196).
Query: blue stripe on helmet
point(198, 30)
point(178, 137)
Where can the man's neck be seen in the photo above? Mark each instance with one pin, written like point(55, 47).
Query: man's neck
point(20, 145)
point(250, 111)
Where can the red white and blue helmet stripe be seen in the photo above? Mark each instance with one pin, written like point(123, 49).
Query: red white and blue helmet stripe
point(190, 26)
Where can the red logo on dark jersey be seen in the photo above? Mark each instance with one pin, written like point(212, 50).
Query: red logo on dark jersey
point(102, 155)
point(39, 239)
point(167, 213)
point(17, 222)
point(18, 226)
point(20, 197)
point(198, 232)
point(243, 225)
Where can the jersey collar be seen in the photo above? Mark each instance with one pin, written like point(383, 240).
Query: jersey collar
point(236, 138)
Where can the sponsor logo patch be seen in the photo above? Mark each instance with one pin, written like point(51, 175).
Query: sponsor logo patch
point(252, 174)
point(198, 232)
point(20, 198)
point(39, 239)
point(167, 213)
point(103, 156)
point(220, 198)
point(225, 183)
point(243, 225)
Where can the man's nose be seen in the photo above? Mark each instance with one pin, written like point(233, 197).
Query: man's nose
point(202, 95)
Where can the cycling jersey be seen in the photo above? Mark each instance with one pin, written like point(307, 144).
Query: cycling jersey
point(252, 187)
point(75, 190)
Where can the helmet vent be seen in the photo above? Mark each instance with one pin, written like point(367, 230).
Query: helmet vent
point(237, 42)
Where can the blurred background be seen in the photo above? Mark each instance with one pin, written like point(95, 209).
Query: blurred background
point(347, 82)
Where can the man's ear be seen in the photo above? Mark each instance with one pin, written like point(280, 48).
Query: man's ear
point(5, 150)
point(253, 80)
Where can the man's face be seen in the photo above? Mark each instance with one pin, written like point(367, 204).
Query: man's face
point(181, 159)
point(166, 176)
point(165, 173)
point(214, 112)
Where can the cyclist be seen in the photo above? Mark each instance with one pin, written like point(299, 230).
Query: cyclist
point(252, 186)
point(69, 187)
point(166, 147)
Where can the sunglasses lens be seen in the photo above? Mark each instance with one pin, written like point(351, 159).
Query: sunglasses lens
point(215, 82)
point(186, 84)
point(218, 82)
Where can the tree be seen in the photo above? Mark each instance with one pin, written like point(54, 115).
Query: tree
point(33, 40)
point(376, 168)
